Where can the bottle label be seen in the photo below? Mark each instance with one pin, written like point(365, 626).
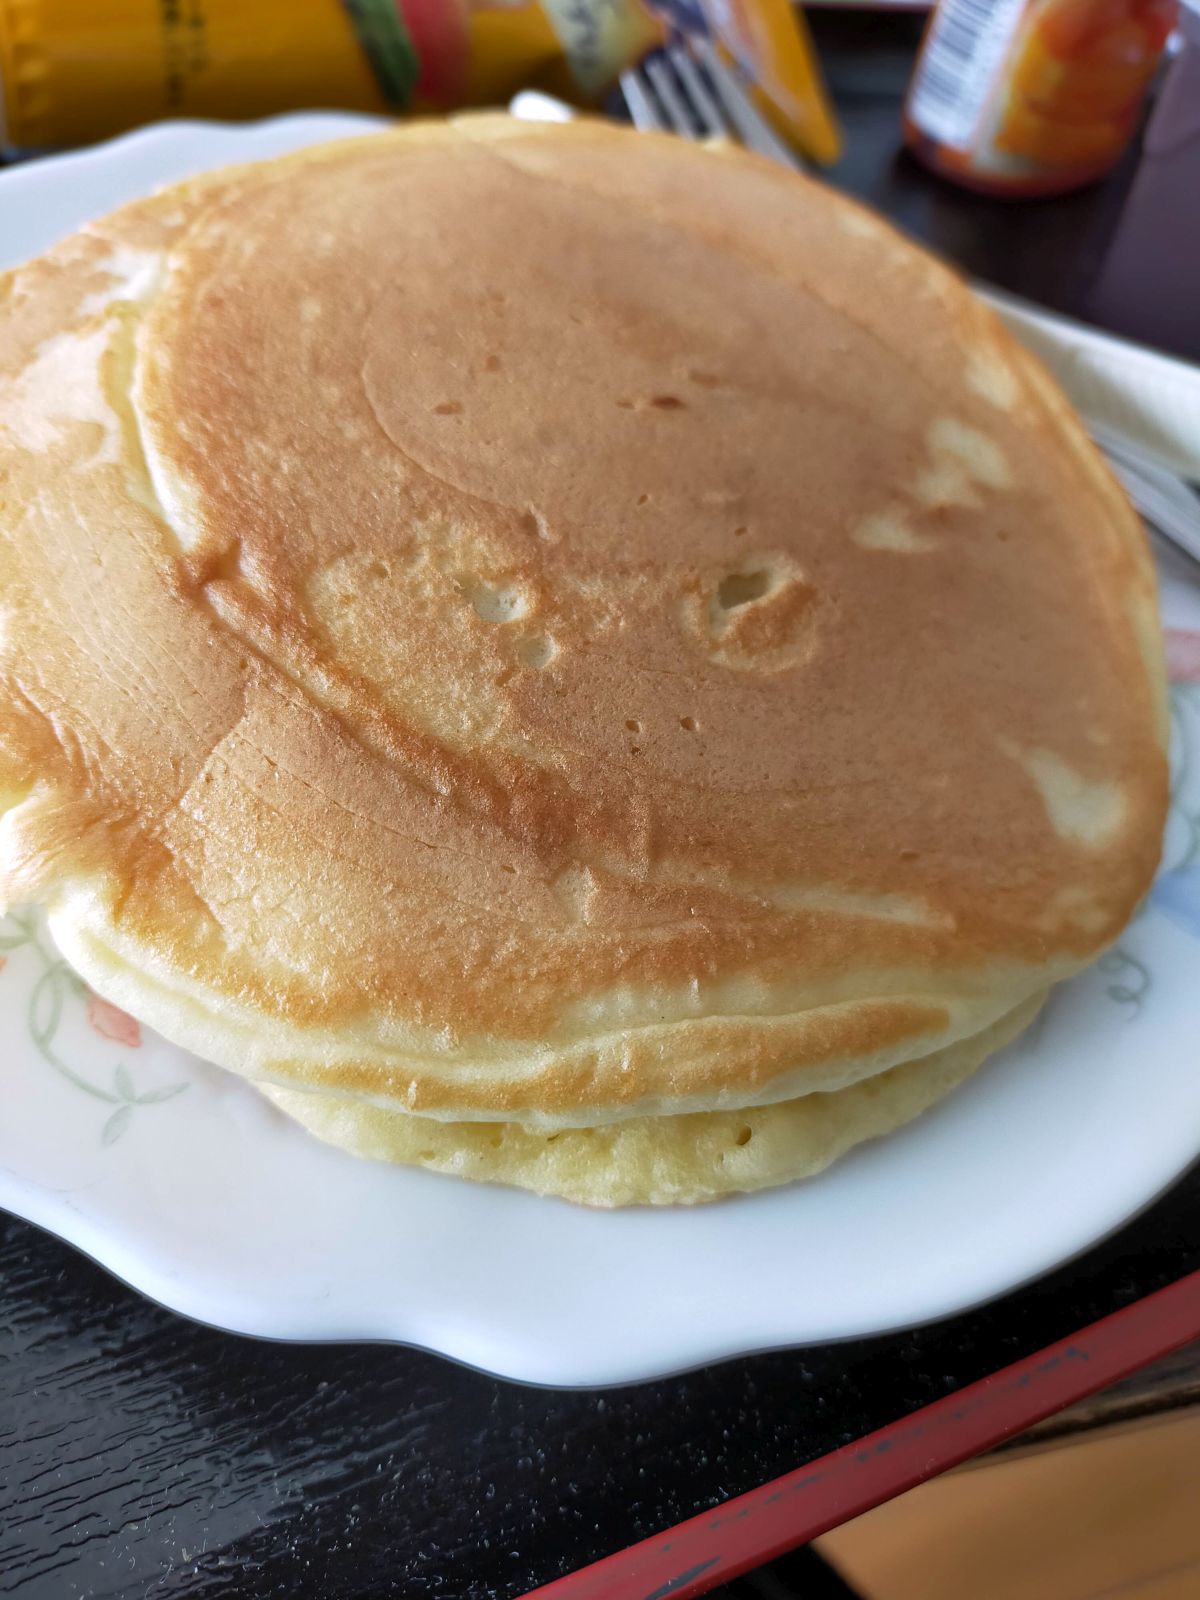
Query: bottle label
point(389, 47)
point(416, 48)
point(963, 56)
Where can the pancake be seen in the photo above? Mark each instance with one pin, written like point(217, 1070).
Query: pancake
point(681, 1160)
point(545, 626)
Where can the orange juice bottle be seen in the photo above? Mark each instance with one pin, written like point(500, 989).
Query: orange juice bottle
point(1029, 97)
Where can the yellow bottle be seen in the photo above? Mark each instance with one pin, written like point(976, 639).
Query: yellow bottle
point(72, 71)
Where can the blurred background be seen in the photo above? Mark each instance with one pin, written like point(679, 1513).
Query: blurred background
point(1051, 147)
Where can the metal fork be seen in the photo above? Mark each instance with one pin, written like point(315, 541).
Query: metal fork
point(687, 89)
point(1166, 501)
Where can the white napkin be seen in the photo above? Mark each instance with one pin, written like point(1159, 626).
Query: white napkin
point(1151, 399)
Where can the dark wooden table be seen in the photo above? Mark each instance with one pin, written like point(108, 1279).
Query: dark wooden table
point(141, 1455)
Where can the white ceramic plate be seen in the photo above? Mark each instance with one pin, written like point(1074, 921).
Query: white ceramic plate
point(183, 1182)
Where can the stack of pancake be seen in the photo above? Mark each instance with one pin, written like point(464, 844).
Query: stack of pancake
point(566, 657)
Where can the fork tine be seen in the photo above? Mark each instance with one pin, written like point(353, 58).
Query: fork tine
point(679, 117)
point(753, 129)
point(713, 121)
point(642, 109)
point(1180, 526)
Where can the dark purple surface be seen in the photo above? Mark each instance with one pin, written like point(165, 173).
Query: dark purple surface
point(1149, 282)
point(143, 1456)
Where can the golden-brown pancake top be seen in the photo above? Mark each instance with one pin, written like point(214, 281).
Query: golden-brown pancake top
point(515, 619)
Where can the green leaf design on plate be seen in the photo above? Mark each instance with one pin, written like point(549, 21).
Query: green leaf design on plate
point(154, 1097)
point(45, 1013)
point(16, 929)
point(45, 1007)
point(56, 985)
point(116, 1125)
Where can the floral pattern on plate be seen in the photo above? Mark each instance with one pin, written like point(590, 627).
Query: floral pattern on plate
point(54, 988)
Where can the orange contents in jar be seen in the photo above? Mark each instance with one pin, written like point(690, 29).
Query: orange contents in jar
point(1078, 76)
point(1033, 96)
